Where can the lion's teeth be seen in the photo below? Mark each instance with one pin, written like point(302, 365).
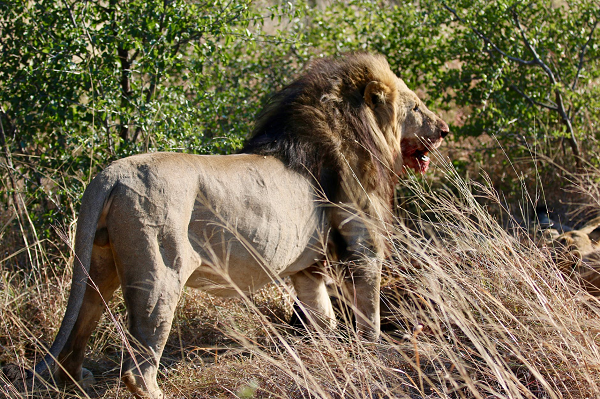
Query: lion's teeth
point(424, 158)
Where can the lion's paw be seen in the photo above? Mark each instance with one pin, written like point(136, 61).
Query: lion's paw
point(87, 379)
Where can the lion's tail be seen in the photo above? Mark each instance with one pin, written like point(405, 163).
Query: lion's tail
point(94, 199)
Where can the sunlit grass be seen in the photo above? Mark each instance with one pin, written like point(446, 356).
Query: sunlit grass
point(480, 312)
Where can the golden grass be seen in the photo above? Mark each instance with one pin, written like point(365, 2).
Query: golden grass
point(480, 313)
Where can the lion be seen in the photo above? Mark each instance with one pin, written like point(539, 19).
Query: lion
point(317, 173)
point(577, 254)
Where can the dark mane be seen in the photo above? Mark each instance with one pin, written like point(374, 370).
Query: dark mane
point(318, 125)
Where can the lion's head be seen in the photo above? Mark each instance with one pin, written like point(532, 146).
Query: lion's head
point(577, 254)
point(422, 132)
point(579, 242)
point(352, 124)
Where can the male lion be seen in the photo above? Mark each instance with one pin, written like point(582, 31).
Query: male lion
point(318, 170)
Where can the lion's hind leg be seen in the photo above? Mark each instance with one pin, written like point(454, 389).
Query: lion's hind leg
point(150, 312)
point(312, 292)
point(152, 280)
point(102, 284)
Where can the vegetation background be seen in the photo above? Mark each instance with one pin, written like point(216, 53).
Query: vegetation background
point(85, 83)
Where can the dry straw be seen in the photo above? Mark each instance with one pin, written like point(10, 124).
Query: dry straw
point(478, 311)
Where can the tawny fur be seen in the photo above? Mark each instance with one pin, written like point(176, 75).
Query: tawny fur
point(577, 254)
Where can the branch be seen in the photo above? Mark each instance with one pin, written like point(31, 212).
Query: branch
point(123, 55)
point(582, 54)
point(560, 106)
point(488, 41)
point(536, 58)
point(16, 198)
point(552, 107)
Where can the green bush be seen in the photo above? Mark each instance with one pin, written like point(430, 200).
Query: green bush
point(84, 83)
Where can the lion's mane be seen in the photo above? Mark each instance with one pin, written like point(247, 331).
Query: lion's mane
point(320, 125)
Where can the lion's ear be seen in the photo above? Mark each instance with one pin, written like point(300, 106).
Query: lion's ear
point(376, 93)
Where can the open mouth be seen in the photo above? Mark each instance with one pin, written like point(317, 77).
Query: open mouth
point(415, 153)
point(416, 159)
point(421, 161)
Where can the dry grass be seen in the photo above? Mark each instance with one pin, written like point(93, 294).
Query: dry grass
point(479, 313)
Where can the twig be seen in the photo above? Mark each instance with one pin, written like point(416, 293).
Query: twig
point(488, 41)
point(581, 56)
point(416, 330)
point(537, 60)
point(532, 101)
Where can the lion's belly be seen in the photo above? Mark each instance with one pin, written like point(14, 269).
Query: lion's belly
point(248, 258)
point(255, 226)
point(234, 274)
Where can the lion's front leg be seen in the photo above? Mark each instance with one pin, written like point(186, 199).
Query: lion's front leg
point(362, 288)
point(360, 249)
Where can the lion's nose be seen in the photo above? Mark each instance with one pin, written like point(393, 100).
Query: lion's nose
point(444, 129)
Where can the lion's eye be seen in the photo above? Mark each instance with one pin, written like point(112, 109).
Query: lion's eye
point(416, 108)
